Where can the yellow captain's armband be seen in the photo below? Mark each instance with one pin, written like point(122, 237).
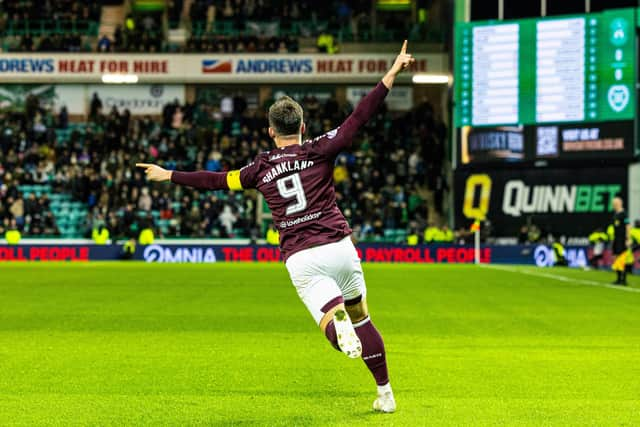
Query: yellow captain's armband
point(233, 180)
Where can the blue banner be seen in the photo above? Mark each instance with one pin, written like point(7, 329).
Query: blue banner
point(540, 255)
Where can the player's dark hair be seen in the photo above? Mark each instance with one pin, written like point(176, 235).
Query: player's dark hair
point(285, 116)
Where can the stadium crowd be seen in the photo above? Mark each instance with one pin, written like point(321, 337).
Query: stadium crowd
point(255, 26)
point(284, 14)
point(212, 26)
point(381, 183)
point(58, 24)
point(212, 43)
point(140, 33)
point(59, 10)
point(30, 213)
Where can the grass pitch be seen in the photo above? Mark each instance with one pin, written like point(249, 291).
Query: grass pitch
point(231, 344)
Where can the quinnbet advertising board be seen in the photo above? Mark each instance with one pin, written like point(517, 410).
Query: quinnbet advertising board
point(559, 201)
point(549, 88)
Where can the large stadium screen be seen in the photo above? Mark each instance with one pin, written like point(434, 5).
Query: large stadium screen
point(550, 88)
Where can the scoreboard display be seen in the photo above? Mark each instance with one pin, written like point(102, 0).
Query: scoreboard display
point(548, 88)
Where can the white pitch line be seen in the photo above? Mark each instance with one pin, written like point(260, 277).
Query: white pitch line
point(560, 278)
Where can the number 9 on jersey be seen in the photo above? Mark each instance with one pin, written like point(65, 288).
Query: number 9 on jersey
point(289, 187)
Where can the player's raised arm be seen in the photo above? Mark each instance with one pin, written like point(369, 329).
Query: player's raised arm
point(367, 107)
point(203, 179)
point(369, 104)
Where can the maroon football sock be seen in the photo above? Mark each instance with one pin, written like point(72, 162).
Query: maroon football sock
point(331, 335)
point(373, 352)
point(330, 331)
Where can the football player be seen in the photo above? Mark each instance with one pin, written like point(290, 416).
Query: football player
point(296, 179)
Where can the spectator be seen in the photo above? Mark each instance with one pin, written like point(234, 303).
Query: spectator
point(227, 219)
point(100, 235)
point(27, 43)
point(118, 38)
point(145, 202)
point(16, 208)
point(176, 119)
point(32, 207)
point(13, 235)
point(130, 23)
point(96, 107)
point(431, 233)
point(63, 118)
point(344, 14)
point(104, 44)
point(326, 43)
point(273, 236)
point(446, 234)
point(213, 164)
point(146, 236)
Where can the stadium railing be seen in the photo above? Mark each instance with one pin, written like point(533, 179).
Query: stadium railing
point(229, 28)
point(383, 35)
point(41, 27)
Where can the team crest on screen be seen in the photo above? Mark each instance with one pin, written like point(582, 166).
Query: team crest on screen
point(618, 97)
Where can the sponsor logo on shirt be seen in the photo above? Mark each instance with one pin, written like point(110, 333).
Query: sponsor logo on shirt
point(300, 220)
point(281, 156)
point(216, 66)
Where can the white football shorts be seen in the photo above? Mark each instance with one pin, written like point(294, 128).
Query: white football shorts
point(325, 272)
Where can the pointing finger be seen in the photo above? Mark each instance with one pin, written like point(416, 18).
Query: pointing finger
point(404, 48)
point(143, 165)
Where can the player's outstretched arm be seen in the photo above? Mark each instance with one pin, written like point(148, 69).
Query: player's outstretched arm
point(403, 60)
point(203, 179)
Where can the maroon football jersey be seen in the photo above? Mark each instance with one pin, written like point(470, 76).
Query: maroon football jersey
point(297, 182)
